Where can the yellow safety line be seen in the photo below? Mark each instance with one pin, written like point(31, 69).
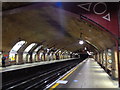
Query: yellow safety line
point(54, 86)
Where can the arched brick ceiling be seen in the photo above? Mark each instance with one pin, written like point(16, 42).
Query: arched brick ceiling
point(56, 27)
point(9, 5)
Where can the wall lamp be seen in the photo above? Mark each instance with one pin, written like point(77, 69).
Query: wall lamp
point(81, 41)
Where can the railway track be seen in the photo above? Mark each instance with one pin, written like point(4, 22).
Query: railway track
point(41, 79)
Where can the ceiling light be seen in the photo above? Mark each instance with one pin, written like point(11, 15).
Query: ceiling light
point(81, 42)
point(85, 48)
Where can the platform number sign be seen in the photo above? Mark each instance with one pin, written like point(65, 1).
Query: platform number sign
point(87, 7)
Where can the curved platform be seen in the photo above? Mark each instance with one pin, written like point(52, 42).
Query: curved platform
point(87, 75)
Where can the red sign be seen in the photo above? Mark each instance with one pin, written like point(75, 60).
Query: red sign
point(103, 13)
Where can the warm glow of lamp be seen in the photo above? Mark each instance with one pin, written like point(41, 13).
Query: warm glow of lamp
point(81, 42)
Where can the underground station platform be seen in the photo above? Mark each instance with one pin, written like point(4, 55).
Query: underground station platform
point(76, 73)
point(60, 45)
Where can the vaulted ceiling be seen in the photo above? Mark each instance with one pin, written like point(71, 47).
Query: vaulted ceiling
point(50, 26)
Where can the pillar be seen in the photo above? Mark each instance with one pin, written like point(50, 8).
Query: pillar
point(98, 58)
point(105, 60)
point(20, 57)
point(102, 59)
point(114, 63)
point(20, 54)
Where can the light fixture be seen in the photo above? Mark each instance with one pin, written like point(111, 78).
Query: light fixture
point(88, 53)
point(81, 42)
point(85, 48)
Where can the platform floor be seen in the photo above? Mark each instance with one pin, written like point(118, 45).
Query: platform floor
point(27, 65)
point(88, 75)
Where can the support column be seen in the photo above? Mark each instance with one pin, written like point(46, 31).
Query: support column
point(114, 76)
point(98, 57)
point(20, 53)
point(102, 59)
point(44, 56)
point(106, 60)
point(30, 60)
point(20, 57)
point(37, 57)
